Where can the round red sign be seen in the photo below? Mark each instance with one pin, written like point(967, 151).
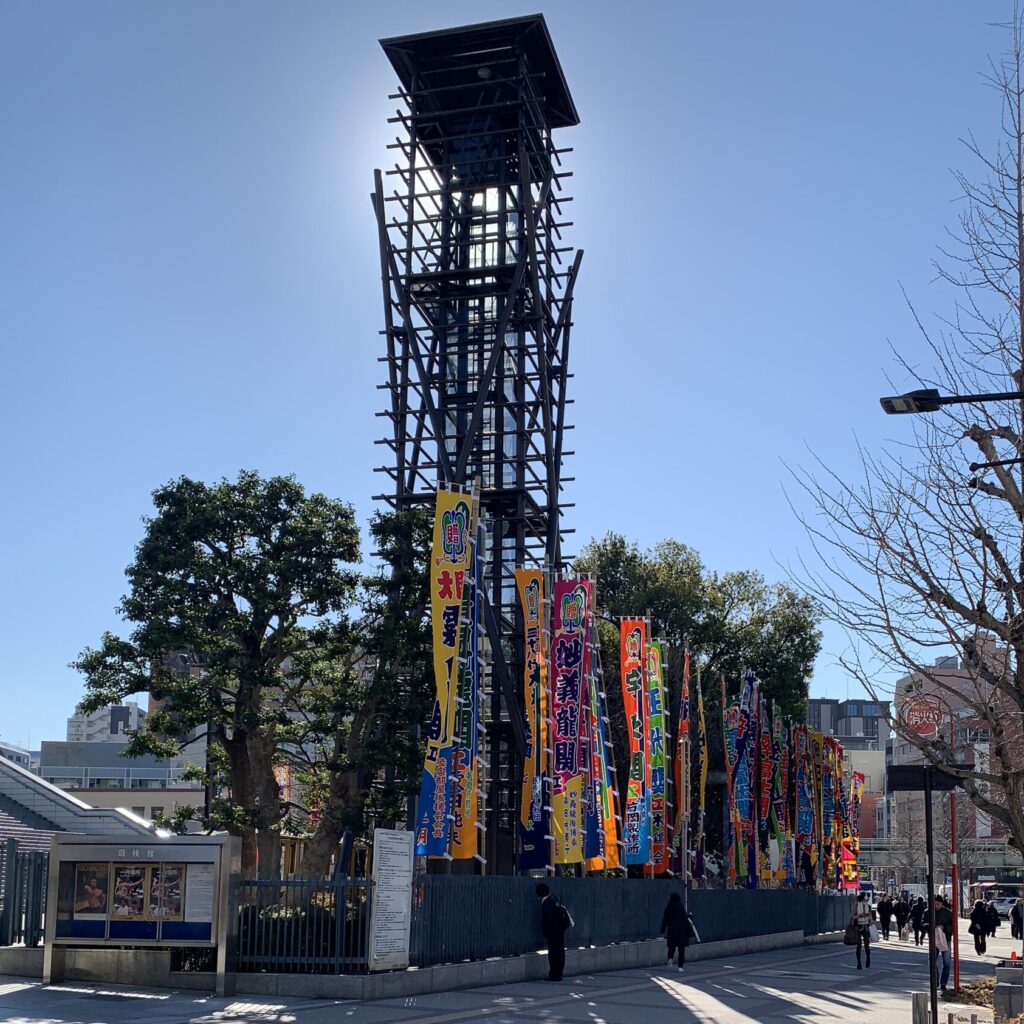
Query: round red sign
point(923, 715)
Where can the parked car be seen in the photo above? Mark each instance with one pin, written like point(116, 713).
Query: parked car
point(1004, 904)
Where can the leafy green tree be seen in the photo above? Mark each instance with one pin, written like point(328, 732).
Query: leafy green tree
point(361, 757)
point(251, 580)
point(730, 622)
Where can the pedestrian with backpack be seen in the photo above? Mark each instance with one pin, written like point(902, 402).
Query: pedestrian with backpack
point(555, 921)
point(678, 928)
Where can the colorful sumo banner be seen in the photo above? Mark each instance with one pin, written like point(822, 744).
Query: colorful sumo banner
point(657, 758)
point(604, 854)
point(636, 834)
point(534, 818)
point(450, 563)
point(465, 843)
point(570, 660)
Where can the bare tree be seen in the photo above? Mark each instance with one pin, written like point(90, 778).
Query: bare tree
point(914, 557)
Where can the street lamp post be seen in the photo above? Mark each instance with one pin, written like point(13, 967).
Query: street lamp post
point(922, 714)
point(926, 777)
point(929, 400)
point(954, 872)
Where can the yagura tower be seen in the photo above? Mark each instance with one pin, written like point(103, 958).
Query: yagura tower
point(478, 281)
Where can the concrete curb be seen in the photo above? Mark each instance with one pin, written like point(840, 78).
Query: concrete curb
point(151, 968)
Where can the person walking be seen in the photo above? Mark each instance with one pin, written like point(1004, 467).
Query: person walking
point(677, 927)
point(918, 913)
point(1017, 919)
point(885, 914)
point(861, 919)
point(901, 911)
point(993, 918)
point(979, 926)
point(553, 918)
point(943, 935)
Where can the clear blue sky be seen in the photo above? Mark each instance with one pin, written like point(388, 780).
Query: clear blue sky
point(189, 278)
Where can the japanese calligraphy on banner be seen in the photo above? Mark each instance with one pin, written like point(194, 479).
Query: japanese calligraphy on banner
point(450, 562)
point(601, 779)
point(817, 746)
point(570, 660)
point(466, 775)
point(730, 729)
point(534, 845)
point(790, 855)
point(780, 787)
point(805, 831)
point(828, 800)
point(700, 758)
point(656, 739)
point(765, 778)
point(745, 780)
point(856, 796)
point(681, 768)
point(633, 659)
point(592, 844)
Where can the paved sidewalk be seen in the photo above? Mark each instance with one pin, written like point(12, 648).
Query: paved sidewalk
point(810, 984)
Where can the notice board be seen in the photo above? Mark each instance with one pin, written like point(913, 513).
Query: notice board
point(391, 902)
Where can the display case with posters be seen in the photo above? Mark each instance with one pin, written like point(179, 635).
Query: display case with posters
point(92, 892)
point(144, 891)
point(166, 891)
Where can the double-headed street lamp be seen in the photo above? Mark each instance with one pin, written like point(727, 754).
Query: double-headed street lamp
point(929, 400)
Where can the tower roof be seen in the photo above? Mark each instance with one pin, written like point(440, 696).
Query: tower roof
point(470, 46)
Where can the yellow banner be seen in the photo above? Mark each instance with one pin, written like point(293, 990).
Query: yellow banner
point(465, 795)
point(450, 561)
point(534, 819)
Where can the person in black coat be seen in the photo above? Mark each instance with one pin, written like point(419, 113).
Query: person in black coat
point(918, 918)
point(901, 911)
point(677, 927)
point(993, 918)
point(1017, 920)
point(885, 915)
point(552, 924)
point(979, 926)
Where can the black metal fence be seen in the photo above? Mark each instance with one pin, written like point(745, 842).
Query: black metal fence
point(22, 894)
point(322, 927)
point(471, 918)
point(304, 926)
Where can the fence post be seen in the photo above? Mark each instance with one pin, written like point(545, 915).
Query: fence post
point(10, 894)
point(35, 898)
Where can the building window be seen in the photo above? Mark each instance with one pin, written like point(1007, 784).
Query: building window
point(105, 784)
point(154, 811)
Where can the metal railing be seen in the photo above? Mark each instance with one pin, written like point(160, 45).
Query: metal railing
point(472, 918)
point(116, 777)
point(304, 926)
point(322, 927)
point(22, 894)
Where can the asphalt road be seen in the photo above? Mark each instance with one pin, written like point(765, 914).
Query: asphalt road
point(808, 984)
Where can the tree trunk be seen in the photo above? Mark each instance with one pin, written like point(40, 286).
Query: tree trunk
point(242, 796)
point(345, 795)
point(255, 791)
point(268, 849)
